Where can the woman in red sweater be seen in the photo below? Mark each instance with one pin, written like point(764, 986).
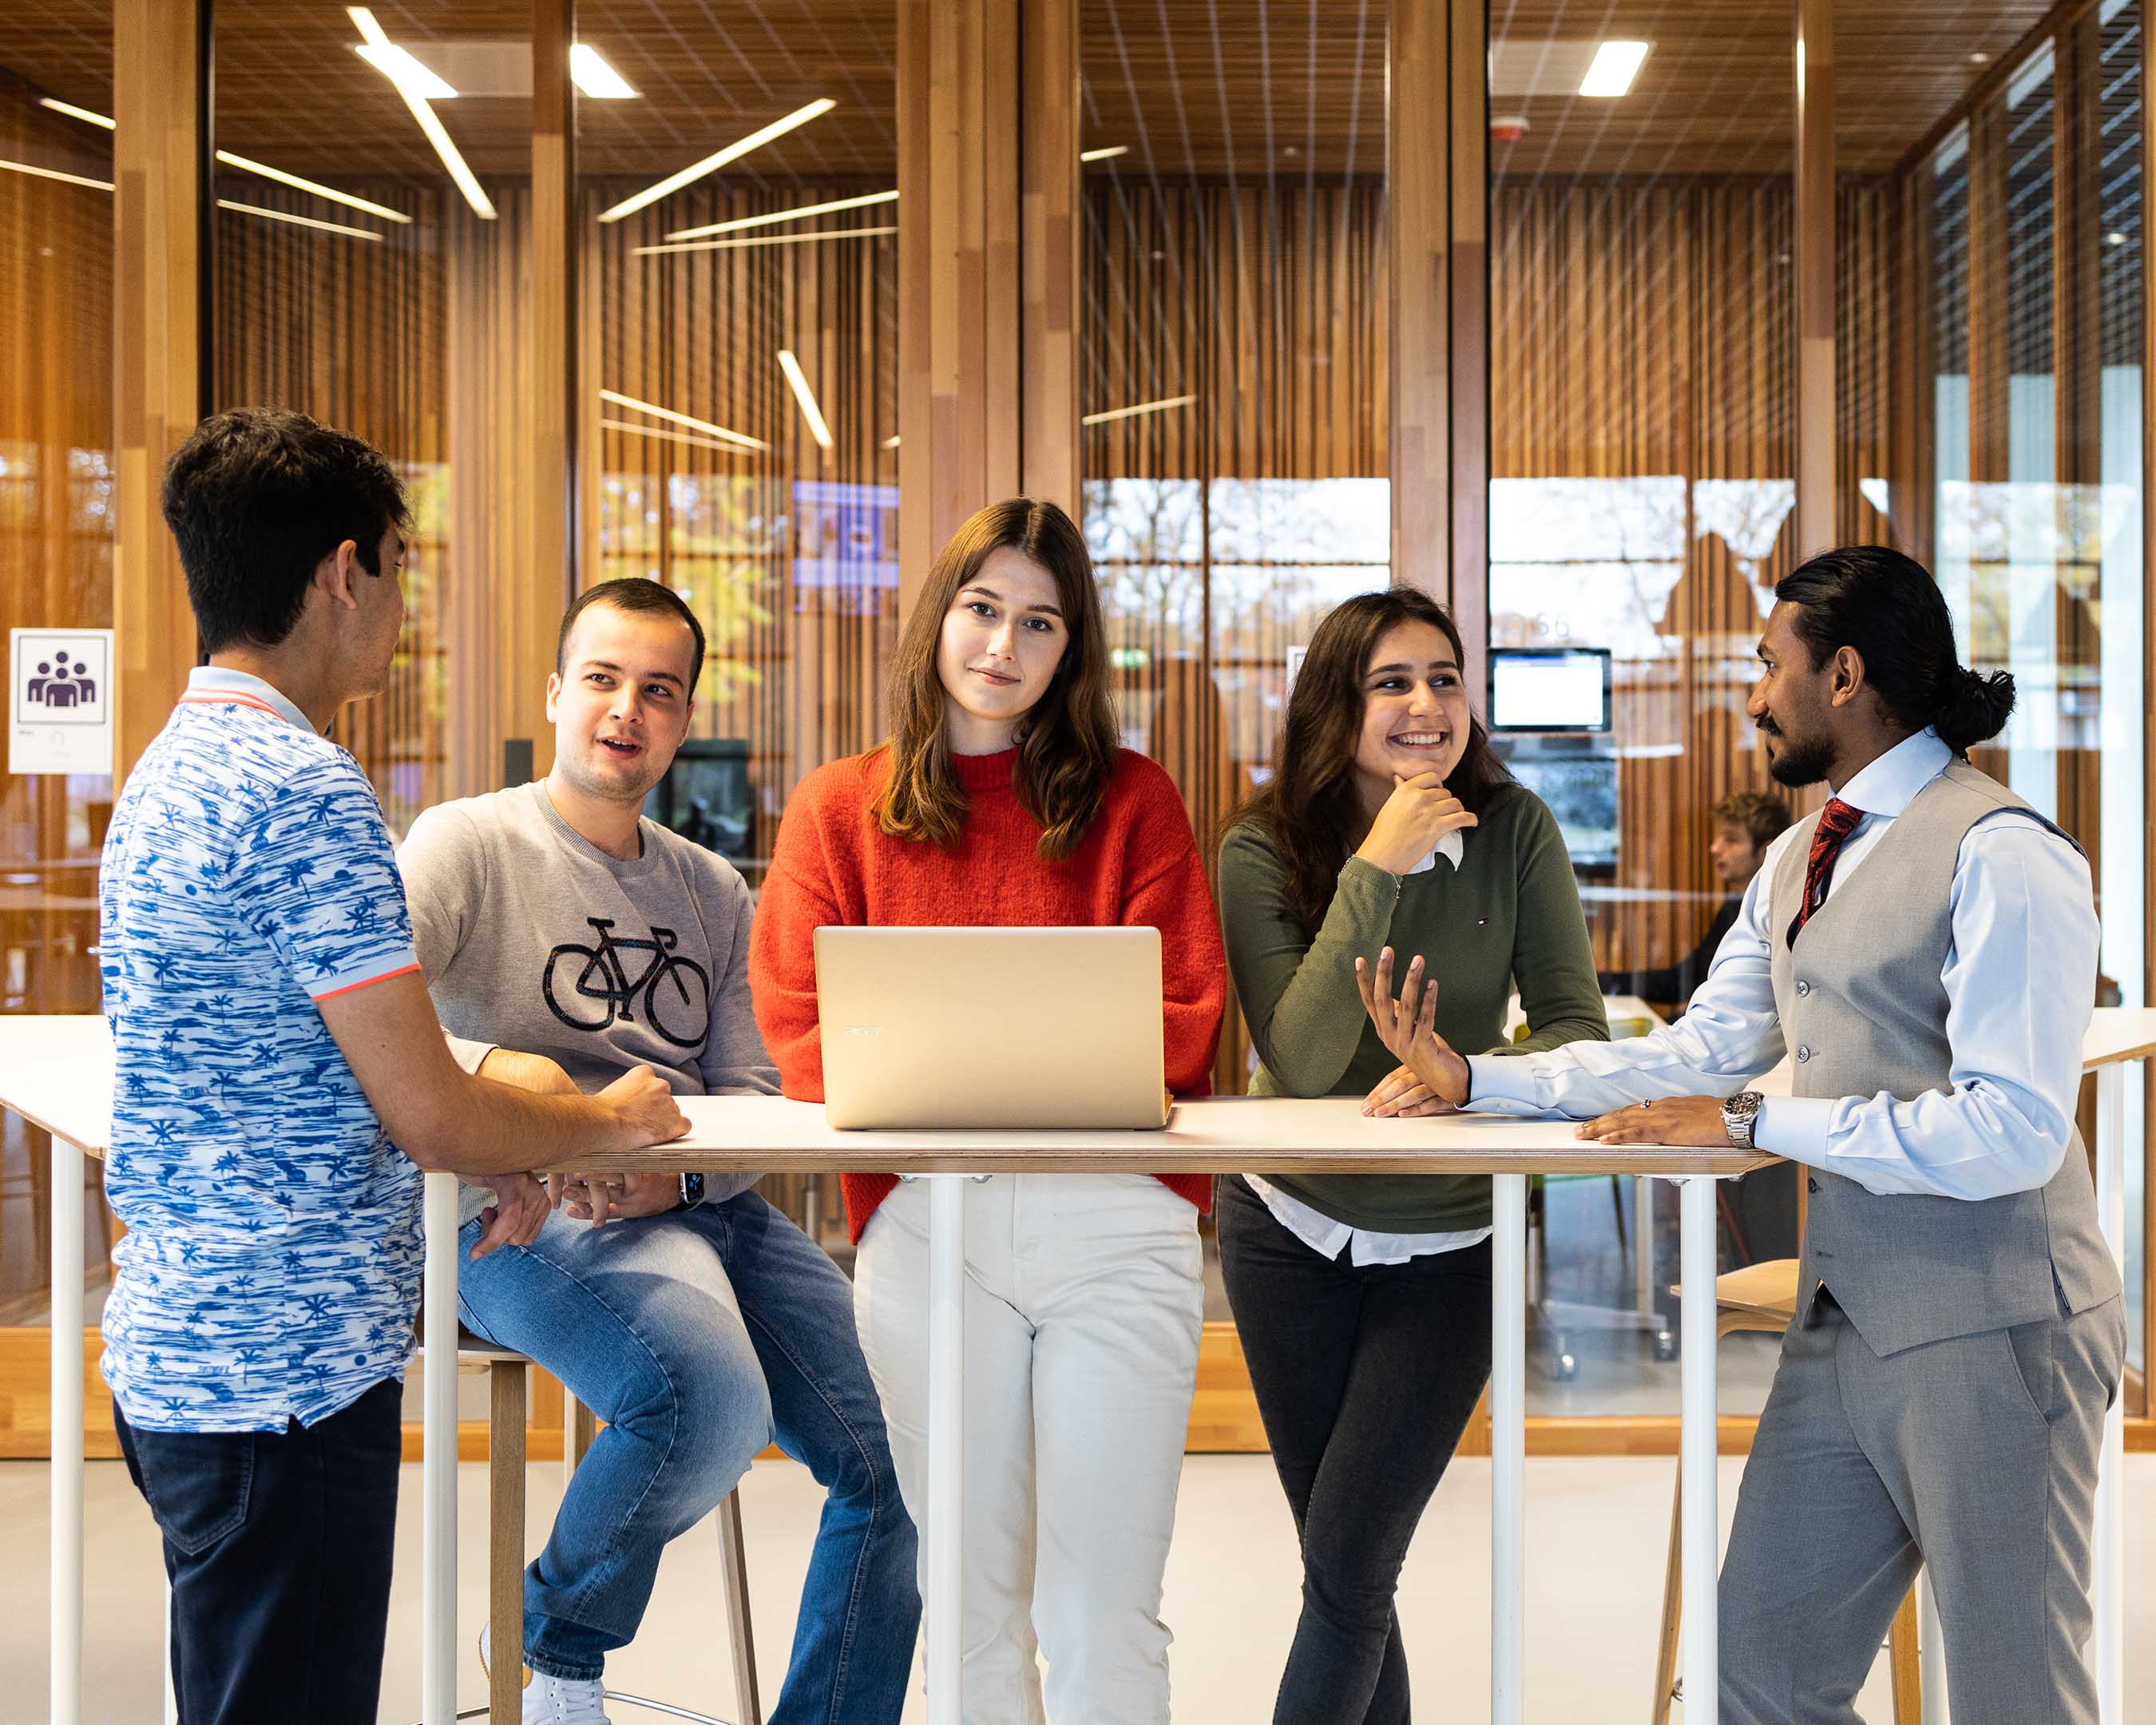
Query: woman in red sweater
point(1002, 799)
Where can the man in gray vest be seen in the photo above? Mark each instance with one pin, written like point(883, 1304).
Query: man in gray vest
point(1924, 950)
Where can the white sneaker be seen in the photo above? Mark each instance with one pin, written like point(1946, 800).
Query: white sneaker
point(563, 1701)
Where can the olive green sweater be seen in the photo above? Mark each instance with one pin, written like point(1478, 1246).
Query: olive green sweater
point(1510, 910)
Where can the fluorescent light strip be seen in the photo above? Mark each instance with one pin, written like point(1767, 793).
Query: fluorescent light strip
point(245, 166)
point(1143, 407)
point(279, 215)
point(1104, 154)
point(481, 205)
point(891, 443)
point(694, 424)
point(1615, 66)
point(674, 436)
point(728, 245)
point(798, 383)
point(74, 113)
point(53, 173)
point(801, 214)
point(406, 73)
point(710, 164)
point(591, 73)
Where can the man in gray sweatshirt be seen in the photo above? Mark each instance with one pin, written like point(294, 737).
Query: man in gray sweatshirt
point(566, 940)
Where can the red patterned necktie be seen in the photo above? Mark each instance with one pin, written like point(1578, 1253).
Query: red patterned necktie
point(1837, 821)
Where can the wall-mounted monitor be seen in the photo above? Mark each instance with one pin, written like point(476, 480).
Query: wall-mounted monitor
point(1549, 688)
point(705, 795)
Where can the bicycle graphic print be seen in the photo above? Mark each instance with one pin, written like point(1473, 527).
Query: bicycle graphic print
point(675, 994)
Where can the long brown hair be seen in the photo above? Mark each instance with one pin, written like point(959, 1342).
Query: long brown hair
point(1311, 809)
point(1066, 741)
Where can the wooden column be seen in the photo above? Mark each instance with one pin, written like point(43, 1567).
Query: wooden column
point(1913, 474)
point(1417, 139)
point(1050, 225)
point(1815, 277)
point(960, 303)
point(1469, 335)
point(157, 347)
point(531, 600)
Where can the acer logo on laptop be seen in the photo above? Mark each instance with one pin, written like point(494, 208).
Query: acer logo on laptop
point(864, 1030)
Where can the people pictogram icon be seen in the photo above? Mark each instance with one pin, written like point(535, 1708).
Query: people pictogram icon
point(60, 682)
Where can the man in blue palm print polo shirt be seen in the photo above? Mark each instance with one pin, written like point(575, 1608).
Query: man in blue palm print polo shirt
point(280, 1080)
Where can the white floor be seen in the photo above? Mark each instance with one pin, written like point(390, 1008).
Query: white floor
point(1596, 1533)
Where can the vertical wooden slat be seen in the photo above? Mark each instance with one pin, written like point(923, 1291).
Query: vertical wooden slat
point(1417, 142)
point(532, 600)
point(1816, 235)
point(157, 348)
point(1047, 98)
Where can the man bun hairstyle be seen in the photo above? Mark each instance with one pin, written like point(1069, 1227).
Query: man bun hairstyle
point(256, 498)
point(1889, 610)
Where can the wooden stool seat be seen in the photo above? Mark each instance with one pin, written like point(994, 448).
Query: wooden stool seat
point(1763, 1297)
point(508, 1375)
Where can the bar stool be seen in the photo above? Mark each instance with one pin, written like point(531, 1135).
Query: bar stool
point(1763, 1297)
point(508, 1384)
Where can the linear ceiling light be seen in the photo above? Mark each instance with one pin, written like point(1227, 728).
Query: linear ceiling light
point(74, 113)
point(672, 437)
point(281, 215)
point(53, 173)
point(416, 99)
point(711, 163)
point(591, 73)
point(1143, 407)
point(798, 383)
point(1615, 66)
point(891, 443)
point(241, 162)
point(726, 245)
point(1103, 155)
point(694, 424)
point(801, 214)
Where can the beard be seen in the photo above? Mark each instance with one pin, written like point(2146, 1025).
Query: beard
point(1797, 764)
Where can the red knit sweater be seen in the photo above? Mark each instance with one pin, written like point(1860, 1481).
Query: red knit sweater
point(1137, 867)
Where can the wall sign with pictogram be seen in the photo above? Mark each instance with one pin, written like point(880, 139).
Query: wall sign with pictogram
point(59, 700)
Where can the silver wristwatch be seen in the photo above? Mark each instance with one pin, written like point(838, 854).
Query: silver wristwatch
point(1740, 1113)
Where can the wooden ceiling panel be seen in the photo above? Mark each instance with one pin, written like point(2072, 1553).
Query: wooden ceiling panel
point(1215, 88)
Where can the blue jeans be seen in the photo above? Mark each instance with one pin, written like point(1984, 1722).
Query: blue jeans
point(696, 1336)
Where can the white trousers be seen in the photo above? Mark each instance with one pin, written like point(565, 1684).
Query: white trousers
point(1085, 1299)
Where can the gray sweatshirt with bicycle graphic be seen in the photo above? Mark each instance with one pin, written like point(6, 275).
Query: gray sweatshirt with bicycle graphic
point(533, 938)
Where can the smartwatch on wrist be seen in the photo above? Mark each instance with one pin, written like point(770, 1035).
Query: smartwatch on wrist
point(1740, 1113)
point(692, 1192)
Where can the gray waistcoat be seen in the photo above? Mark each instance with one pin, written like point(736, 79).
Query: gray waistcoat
point(1863, 1009)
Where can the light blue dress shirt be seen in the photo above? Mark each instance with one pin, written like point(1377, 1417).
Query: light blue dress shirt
point(2019, 977)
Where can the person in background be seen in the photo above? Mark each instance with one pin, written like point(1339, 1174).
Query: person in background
point(1001, 799)
point(1925, 947)
point(1744, 826)
point(279, 1081)
point(683, 1310)
point(1363, 1300)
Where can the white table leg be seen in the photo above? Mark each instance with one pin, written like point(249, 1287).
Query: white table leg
point(945, 1533)
point(1643, 1245)
point(1932, 1661)
point(2107, 1646)
point(438, 1478)
point(1508, 1450)
point(68, 1313)
point(171, 1695)
point(1702, 1680)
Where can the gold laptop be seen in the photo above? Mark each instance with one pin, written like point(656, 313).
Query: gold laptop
point(991, 1027)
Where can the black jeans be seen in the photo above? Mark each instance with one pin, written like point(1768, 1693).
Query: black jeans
point(1365, 1379)
point(278, 1547)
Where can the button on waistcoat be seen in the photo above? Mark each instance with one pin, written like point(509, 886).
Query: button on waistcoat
point(1863, 1009)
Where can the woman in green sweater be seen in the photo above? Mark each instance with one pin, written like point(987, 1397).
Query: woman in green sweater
point(1363, 1300)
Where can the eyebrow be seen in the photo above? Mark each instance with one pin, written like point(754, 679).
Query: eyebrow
point(1434, 665)
point(607, 664)
point(976, 587)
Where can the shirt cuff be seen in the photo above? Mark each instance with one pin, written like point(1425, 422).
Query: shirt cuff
point(1490, 1079)
point(1794, 1126)
point(467, 1053)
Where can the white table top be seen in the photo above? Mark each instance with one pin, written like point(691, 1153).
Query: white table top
point(56, 1071)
